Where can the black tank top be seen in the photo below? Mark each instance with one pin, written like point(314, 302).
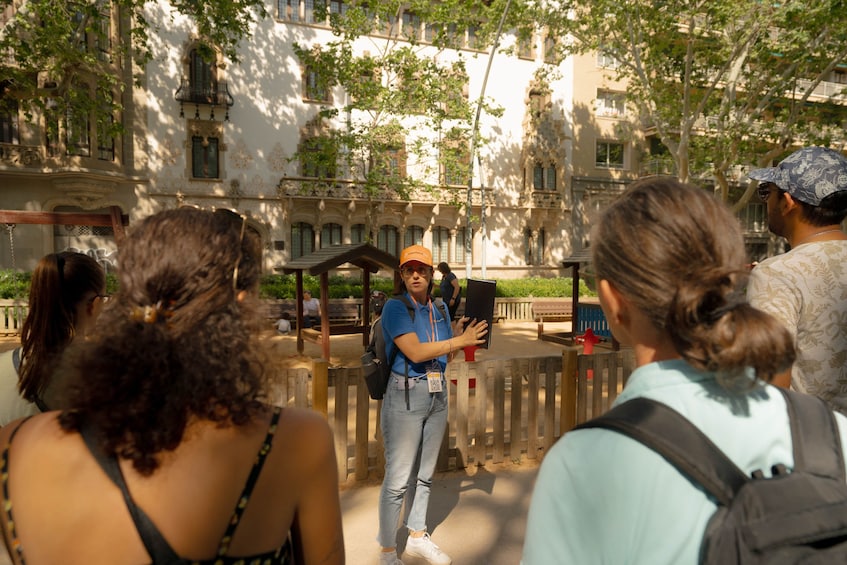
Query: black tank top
point(158, 548)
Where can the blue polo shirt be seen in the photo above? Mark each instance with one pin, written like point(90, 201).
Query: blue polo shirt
point(601, 497)
point(396, 321)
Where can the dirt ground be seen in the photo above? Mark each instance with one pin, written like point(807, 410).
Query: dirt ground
point(508, 340)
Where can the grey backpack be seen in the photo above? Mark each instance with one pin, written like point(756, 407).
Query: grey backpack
point(789, 517)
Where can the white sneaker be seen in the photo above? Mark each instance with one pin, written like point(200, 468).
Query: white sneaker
point(426, 548)
point(389, 558)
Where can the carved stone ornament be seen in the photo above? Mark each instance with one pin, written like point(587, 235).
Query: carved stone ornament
point(85, 193)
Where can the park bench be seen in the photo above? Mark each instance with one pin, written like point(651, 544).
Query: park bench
point(554, 310)
point(344, 318)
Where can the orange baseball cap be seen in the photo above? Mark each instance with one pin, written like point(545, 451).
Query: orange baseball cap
point(417, 253)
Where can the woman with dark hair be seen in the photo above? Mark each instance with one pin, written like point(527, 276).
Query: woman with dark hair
point(66, 295)
point(671, 270)
point(169, 451)
point(451, 292)
point(420, 338)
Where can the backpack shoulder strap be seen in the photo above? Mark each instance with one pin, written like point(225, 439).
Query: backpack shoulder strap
point(814, 436)
point(672, 436)
point(410, 308)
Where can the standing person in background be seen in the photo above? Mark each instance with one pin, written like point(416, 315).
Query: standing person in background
point(805, 288)
point(671, 270)
point(169, 451)
point(451, 292)
point(66, 294)
point(311, 310)
point(414, 409)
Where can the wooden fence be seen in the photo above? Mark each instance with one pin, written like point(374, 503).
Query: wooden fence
point(499, 410)
point(12, 315)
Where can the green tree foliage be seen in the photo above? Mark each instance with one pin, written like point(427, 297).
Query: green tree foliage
point(61, 57)
point(406, 93)
point(721, 82)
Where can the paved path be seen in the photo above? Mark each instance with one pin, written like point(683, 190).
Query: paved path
point(478, 519)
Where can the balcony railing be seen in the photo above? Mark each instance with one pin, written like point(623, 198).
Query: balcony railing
point(21, 155)
point(213, 94)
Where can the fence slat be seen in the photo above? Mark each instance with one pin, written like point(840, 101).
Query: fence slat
point(549, 404)
point(533, 367)
point(341, 407)
point(462, 404)
point(478, 371)
point(499, 410)
point(515, 409)
point(363, 430)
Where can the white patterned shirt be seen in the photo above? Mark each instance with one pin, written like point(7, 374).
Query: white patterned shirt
point(806, 289)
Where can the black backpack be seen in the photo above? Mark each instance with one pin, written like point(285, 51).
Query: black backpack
point(376, 365)
point(790, 517)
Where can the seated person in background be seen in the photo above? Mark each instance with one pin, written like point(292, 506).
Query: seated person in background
point(671, 268)
point(283, 325)
point(311, 310)
point(169, 450)
point(66, 294)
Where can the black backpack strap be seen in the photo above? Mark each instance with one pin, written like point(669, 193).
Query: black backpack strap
point(154, 542)
point(668, 433)
point(814, 435)
point(410, 308)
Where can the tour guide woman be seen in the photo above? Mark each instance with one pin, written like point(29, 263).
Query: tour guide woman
point(414, 418)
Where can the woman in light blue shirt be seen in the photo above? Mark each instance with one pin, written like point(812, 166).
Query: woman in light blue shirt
point(670, 264)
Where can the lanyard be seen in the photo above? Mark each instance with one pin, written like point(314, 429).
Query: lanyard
point(432, 335)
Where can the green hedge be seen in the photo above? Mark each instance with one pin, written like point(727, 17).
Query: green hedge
point(283, 286)
point(15, 285)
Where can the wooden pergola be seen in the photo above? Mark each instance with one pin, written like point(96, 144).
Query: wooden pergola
point(113, 219)
point(363, 255)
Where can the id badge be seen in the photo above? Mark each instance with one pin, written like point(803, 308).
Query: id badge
point(433, 380)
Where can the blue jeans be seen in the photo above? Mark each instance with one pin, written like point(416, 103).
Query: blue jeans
point(410, 437)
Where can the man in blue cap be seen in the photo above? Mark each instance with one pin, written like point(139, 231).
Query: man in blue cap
point(806, 288)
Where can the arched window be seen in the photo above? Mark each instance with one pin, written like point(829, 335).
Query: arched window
point(201, 76)
point(357, 233)
point(440, 245)
point(414, 236)
point(78, 129)
point(8, 116)
point(330, 235)
point(302, 239)
point(534, 246)
point(388, 240)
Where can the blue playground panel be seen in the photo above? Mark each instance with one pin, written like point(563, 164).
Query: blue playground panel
point(591, 316)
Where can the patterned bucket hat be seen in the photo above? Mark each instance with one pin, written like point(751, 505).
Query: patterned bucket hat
point(808, 175)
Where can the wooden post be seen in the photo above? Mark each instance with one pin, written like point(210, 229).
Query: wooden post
point(325, 314)
point(320, 386)
point(567, 418)
point(298, 276)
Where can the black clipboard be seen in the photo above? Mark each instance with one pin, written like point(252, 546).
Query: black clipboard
point(479, 304)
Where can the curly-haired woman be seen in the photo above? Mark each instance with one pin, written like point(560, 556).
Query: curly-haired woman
point(170, 452)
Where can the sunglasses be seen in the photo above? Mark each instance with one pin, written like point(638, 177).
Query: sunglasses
point(422, 270)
